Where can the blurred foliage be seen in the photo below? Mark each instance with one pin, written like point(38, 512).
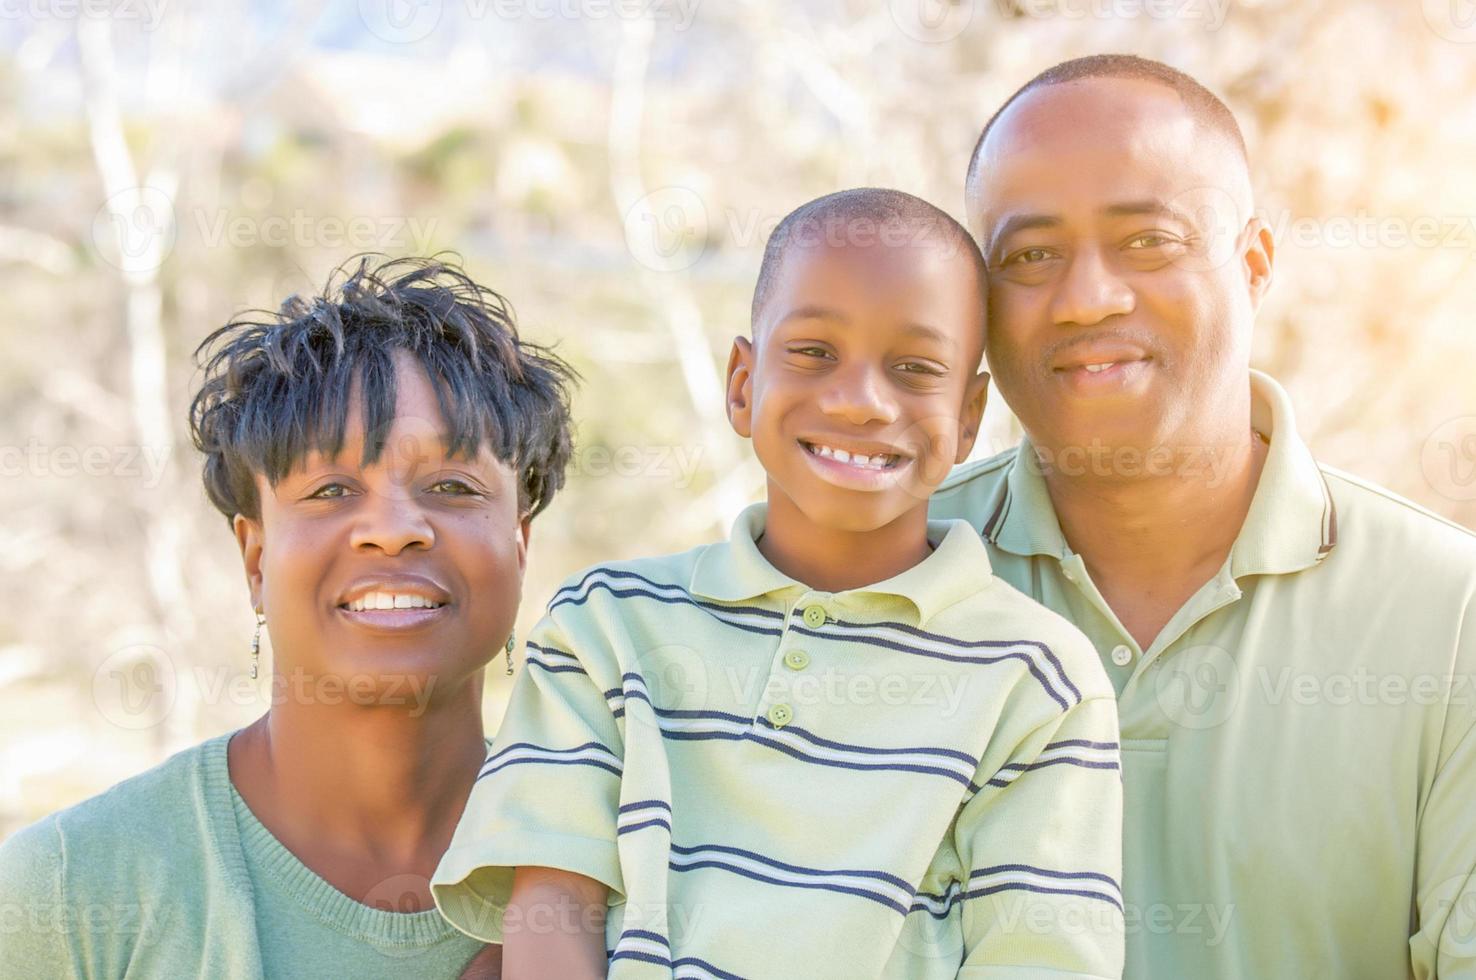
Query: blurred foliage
point(527, 144)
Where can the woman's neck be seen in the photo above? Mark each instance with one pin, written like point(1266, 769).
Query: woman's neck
point(360, 793)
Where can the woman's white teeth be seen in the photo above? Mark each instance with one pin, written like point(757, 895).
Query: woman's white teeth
point(392, 600)
point(1095, 368)
point(880, 461)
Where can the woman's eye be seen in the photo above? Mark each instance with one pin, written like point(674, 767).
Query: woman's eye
point(452, 486)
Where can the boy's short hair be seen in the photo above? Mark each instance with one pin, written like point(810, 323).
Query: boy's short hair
point(276, 385)
point(862, 216)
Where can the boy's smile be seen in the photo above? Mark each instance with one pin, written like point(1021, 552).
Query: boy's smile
point(859, 388)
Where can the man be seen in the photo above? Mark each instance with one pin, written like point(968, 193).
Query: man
point(1293, 649)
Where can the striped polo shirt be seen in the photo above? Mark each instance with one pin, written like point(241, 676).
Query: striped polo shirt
point(1299, 742)
point(913, 779)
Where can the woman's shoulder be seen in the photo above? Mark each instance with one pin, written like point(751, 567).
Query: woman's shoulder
point(151, 823)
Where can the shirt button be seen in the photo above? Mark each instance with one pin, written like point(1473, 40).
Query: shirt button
point(814, 616)
point(780, 715)
point(1122, 655)
point(796, 660)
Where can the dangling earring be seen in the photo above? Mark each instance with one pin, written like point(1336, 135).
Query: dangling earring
point(507, 651)
point(256, 643)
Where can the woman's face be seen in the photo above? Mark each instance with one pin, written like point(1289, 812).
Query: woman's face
point(385, 584)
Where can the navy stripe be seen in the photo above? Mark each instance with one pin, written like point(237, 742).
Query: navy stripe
point(1044, 873)
point(954, 658)
point(551, 762)
point(653, 822)
point(746, 873)
point(715, 971)
point(1084, 763)
point(1022, 886)
point(1080, 743)
point(870, 750)
point(646, 805)
point(794, 753)
point(687, 596)
point(630, 954)
point(798, 869)
point(645, 934)
point(546, 748)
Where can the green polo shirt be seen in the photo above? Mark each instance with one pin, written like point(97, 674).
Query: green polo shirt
point(1297, 744)
point(913, 779)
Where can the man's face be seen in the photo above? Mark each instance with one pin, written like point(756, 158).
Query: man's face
point(438, 538)
point(1124, 266)
point(868, 352)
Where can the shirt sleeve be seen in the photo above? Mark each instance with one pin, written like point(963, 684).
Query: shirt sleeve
point(34, 926)
point(1041, 840)
point(1443, 945)
point(547, 794)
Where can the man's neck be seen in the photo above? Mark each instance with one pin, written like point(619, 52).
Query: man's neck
point(831, 560)
point(1149, 543)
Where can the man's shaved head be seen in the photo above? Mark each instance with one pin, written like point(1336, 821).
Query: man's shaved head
point(1202, 104)
point(861, 216)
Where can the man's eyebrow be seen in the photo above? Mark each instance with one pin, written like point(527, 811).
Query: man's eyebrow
point(1017, 223)
point(1130, 209)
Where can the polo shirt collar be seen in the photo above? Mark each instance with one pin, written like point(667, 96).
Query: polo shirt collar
point(735, 570)
point(1291, 524)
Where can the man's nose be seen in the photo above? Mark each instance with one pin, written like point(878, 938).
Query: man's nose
point(859, 395)
point(1090, 291)
point(391, 521)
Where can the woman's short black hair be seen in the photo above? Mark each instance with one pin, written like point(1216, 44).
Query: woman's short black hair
point(276, 385)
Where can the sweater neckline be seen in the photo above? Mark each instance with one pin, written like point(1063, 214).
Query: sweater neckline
point(241, 832)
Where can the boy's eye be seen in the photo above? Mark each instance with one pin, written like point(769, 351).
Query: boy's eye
point(914, 367)
point(818, 351)
point(329, 491)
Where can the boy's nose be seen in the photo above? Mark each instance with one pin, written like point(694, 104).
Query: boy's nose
point(859, 396)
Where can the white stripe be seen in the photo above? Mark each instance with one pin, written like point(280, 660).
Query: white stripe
point(812, 751)
point(732, 616)
point(932, 903)
point(692, 971)
point(1095, 885)
point(641, 815)
point(552, 658)
point(640, 944)
point(596, 754)
point(884, 889)
point(845, 631)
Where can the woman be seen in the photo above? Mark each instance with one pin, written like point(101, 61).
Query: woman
point(379, 453)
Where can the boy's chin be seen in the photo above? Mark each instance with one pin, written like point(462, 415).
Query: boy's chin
point(853, 513)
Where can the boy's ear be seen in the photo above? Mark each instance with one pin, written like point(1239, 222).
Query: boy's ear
point(249, 537)
point(740, 387)
point(972, 416)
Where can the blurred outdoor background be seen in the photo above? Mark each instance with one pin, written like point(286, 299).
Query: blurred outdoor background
point(614, 167)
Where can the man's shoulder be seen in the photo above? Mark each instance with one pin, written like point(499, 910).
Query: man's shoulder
point(1377, 525)
point(971, 487)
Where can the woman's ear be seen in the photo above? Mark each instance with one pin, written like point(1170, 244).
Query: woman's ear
point(740, 387)
point(972, 416)
point(249, 537)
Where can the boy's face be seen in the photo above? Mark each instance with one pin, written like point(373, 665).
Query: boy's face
point(441, 536)
point(864, 351)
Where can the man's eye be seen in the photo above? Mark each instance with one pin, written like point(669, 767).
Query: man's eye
point(1028, 256)
point(807, 351)
point(1151, 239)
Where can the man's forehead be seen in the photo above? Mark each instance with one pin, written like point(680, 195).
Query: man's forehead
point(1097, 144)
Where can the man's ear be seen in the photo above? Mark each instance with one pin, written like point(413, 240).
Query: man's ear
point(972, 416)
point(740, 387)
point(1259, 256)
point(249, 537)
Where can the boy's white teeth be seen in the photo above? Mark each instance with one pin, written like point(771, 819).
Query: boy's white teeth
point(1095, 368)
point(881, 461)
point(391, 600)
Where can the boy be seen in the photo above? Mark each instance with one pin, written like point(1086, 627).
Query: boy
point(834, 745)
